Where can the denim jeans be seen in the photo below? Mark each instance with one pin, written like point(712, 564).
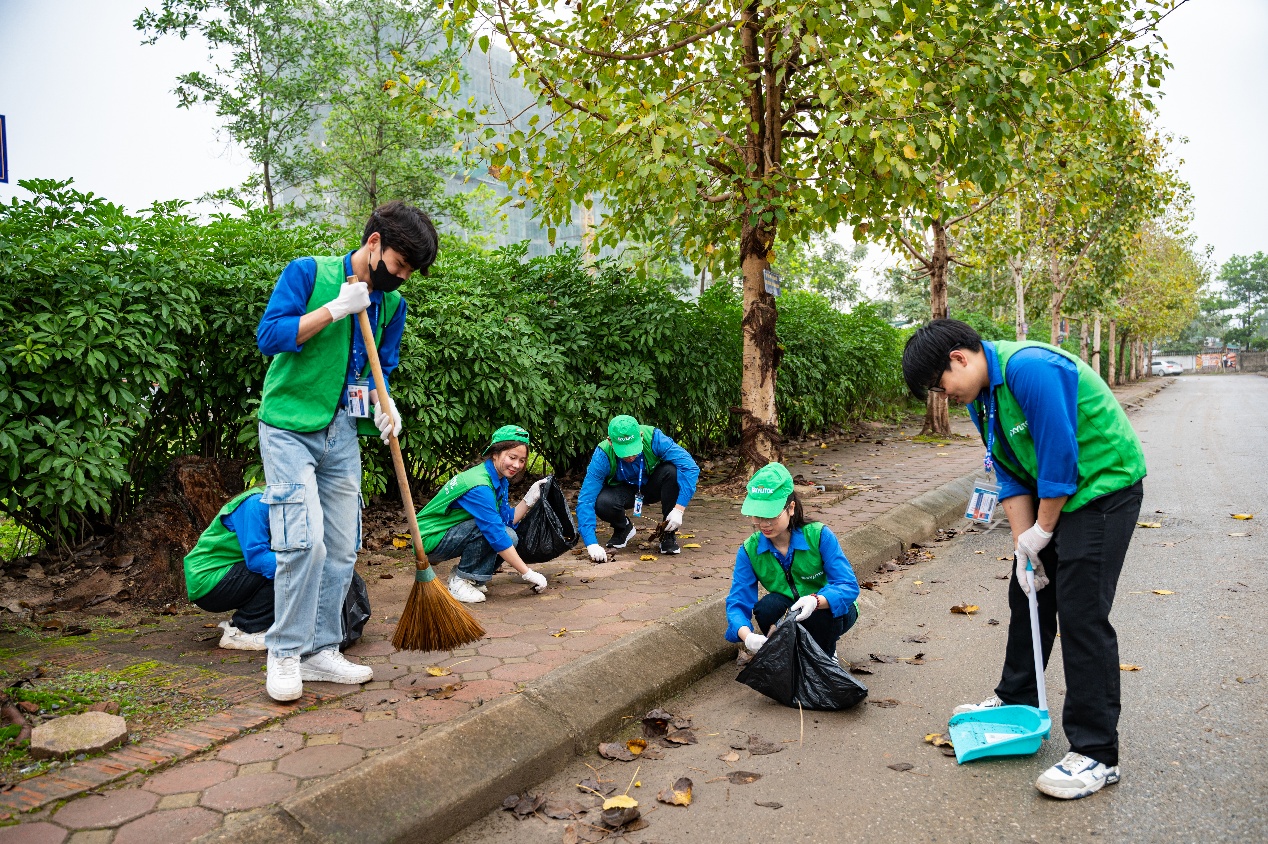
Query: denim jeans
point(314, 498)
point(464, 540)
point(249, 594)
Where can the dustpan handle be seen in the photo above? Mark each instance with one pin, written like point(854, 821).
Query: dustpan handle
point(1033, 600)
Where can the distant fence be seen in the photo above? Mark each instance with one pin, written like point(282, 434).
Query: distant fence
point(1253, 361)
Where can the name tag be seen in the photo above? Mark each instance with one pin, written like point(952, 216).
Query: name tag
point(638, 505)
point(982, 502)
point(359, 399)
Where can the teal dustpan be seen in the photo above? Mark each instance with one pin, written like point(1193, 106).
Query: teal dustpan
point(1006, 730)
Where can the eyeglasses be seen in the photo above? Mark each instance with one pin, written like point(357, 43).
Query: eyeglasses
point(936, 386)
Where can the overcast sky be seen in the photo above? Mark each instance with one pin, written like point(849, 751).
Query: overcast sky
point(84, 99)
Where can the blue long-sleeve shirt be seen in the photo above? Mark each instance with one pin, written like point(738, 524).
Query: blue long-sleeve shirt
point(250, 522)
point(491, 508)
point(1046, 386)
point(279, 327)
point(664, 448)
point(841, 589)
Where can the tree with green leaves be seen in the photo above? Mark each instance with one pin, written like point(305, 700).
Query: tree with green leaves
point(825, 266)
point(731, 124)
point(1245, 280)
point(269, 73)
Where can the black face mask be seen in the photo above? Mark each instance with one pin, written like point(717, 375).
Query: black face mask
point(384, 281)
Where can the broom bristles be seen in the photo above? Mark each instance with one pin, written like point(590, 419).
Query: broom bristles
point(433, 620)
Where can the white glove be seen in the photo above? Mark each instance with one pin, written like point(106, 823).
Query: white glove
point(805, 606)
point(597, 553)
point(754, 641)
point(352, 299)
point(386, 419)
point(674, 520)
point(534, 493)
point(1029, 544)
point(536, 578)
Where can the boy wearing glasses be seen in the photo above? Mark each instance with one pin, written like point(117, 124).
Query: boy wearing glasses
point(1070, 481)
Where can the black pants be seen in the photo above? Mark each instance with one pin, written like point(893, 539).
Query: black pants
point(1082, 562)
point(823, 626)
point(243, 590)
point(615, 499)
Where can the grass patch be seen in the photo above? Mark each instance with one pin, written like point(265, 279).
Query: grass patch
point(16, 541)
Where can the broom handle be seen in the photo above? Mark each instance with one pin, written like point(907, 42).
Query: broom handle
point(398, 462)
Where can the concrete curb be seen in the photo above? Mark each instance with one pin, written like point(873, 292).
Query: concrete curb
point(435, 785)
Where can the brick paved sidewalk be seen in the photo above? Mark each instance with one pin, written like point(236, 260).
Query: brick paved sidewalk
point(256, 752)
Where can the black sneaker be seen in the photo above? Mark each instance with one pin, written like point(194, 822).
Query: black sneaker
point(669, 543)
point(621, 536)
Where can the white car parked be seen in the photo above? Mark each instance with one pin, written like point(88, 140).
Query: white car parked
point(1166, 367)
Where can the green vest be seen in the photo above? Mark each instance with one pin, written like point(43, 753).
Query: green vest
point(807, 566)
point(1110, 456)
point(216, 552)
point(439, 515)
point(650, 460)
point(302, 389)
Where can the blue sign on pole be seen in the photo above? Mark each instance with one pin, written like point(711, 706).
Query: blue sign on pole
point(4, 153)
point(772, 281)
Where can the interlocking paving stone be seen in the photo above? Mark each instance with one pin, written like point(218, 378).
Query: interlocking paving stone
point(249, 792)
point(260, 747)
point(174, 826)
point(323, 721)
point(388, 733)
point(195, 776)
point(319, 761)
point(40, 832)
point(110, 809)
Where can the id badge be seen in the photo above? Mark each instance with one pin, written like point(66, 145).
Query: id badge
point(982, 503)
point(638, 505)
point(359, 399)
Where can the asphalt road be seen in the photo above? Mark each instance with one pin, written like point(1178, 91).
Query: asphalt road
point(1195, 716)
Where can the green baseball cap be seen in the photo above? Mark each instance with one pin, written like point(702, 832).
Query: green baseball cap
point(508, 433)
point(768, 491)
point(626, 438)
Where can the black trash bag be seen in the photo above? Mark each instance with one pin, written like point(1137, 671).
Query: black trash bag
point(356, 611)
point(791, 668)
point(547, 529)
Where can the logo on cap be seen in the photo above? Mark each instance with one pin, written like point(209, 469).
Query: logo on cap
point(625, 439)
point(760, 490)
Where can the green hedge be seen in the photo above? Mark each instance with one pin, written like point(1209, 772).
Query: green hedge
point(129, 339)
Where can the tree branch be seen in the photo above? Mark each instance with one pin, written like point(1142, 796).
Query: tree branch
point(629, 57)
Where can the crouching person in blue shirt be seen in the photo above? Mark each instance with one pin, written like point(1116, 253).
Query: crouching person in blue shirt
point(799, 563)
point(232, 568)
point(636, 465)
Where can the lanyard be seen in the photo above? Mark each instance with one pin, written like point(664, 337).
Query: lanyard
point(989, 462)
point(640, 475)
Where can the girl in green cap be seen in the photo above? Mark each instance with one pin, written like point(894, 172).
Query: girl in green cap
point(471, 518)
point(799, 563)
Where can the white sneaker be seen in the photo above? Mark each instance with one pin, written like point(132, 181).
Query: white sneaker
point(482, 587)
point(234, 639)
point(464, 590)
point(283, 681)
point(330, 666)
point(1076, 776)
point(990, 703)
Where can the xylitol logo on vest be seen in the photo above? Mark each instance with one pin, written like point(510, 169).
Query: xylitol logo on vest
point(1017, 429)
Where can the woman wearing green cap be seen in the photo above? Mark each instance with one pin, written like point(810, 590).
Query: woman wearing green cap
point(799, 563)
point(471, 518)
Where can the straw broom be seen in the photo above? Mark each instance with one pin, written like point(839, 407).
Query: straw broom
point(432, 620)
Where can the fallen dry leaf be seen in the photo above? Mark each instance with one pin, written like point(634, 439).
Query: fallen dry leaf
point(900, 766)
point(647, 558)
point(1127, 666)
point(692, 545)
point(883, 658)
point(400, 541)
point(681, 737)
point(859, 668)
point(884, 702)
point(678, 795)
point(619, 810)
point(444, 692)
point(1239, 534)
point(1149, 524)
point(922, 639)
point(917, 583)
point(1242, 516)
point(636, 746)
point(869, 585)
point(939, 740)
point(742, 777)
point(523, 806)
point(656, 723)
point(562, 631)
point(759, 746)
point(1163, 592)
point(616, 751)
point(594, 784)
point(730, 757)
point(768, 805)
point(438, 671)
point(965, 609)
point(563, 811)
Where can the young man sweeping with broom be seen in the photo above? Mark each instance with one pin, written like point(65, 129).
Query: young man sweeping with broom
point(317, 398)
point(1071, 471)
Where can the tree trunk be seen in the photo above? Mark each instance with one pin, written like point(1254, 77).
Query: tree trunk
point(1120, 358)
point(1083, 338)
point(759, 439)
point(1113, 357)
point(1096, 344)
point(1019, 296)
point(268, 187)
point(1134, 351)
point(937, 417)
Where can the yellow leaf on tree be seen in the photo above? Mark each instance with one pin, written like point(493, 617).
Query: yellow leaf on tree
point(1243, 516)
point(909, 151)
point(1149, 524)
point(1163, 592)
point(1127, 666)
point(647, 557)
point(438, 671)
